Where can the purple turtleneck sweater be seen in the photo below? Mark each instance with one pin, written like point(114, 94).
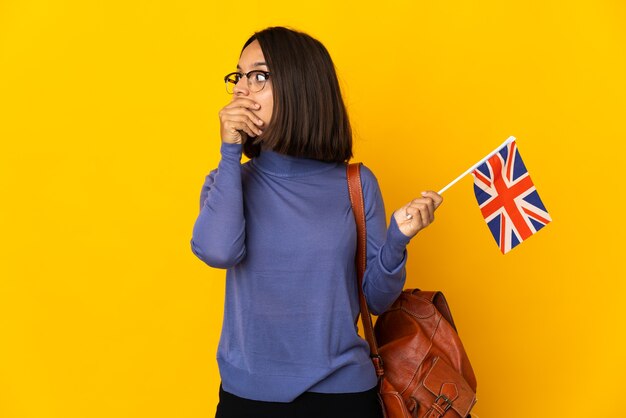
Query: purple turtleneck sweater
point(284, 229)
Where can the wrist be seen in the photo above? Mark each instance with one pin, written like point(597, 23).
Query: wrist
point(395, 234)
point(231, 150)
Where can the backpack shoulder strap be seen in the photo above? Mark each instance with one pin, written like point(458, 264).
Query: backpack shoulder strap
point(355, 190)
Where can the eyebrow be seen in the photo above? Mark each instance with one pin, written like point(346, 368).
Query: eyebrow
point(256, 64)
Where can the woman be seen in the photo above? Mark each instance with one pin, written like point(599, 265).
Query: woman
point(282, 226)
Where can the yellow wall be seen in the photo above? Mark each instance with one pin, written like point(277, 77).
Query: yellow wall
point(108, 125)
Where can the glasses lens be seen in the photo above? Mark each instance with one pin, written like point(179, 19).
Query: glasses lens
point(257, 81)
point(231, 82)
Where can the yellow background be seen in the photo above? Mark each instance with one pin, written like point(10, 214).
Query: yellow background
point(108, 125)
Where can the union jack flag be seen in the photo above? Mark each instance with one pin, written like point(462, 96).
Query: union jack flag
point(508, 198)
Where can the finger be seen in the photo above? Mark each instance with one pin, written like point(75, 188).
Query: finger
point(430, 206)
point(406, 210)
point(235, 113)
point(414, 217)
point(424, 213)
point(425, 208)
point(233, 127)
point(436, 197)
point(424, 203)
point(244, 102)
point(243, 119)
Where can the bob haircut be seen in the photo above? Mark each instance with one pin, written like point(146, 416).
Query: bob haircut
point(309, 118)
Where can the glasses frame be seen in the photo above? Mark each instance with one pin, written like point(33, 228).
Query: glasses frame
point(247, 75)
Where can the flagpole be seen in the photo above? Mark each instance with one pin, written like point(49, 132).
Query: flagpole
point(472, 168)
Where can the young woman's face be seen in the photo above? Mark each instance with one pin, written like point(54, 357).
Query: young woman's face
point(252, 59)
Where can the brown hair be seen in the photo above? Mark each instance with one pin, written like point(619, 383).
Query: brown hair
point(309, 118)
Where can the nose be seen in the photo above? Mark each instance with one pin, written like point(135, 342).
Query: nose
point(241, 88)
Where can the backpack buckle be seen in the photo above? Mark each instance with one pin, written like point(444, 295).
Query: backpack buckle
point(378, 364)
point(447, 402)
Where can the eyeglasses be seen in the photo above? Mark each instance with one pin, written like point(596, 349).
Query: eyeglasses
point(256, 80)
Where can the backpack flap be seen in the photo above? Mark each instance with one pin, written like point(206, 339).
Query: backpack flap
point(449, 389)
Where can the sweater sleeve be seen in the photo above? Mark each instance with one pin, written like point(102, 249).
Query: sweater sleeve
point(385, 273)
point(218, 236)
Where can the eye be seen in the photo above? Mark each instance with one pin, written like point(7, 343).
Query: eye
point(259, 77)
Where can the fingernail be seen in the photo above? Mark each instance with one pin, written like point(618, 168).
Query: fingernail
point(423, 193)
point(257, 105)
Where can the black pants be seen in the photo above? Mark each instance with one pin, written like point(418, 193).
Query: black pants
point(307, 405)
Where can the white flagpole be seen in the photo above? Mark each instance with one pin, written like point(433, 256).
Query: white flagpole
point(472, 168)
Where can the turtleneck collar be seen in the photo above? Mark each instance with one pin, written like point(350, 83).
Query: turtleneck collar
point(282, 165)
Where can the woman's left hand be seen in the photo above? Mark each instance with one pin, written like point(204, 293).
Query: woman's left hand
point(418, 213)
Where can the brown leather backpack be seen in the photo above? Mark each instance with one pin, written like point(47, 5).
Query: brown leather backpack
point(422, 367)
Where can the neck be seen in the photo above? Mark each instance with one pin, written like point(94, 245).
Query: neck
point(287, 166)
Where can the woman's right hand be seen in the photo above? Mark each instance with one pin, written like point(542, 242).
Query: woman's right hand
point(238, 120)
point(418, 213)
